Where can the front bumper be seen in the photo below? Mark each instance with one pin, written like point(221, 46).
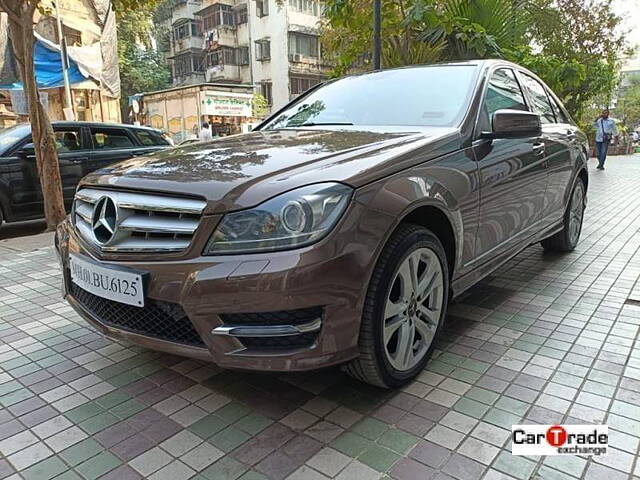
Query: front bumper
point(330, 277)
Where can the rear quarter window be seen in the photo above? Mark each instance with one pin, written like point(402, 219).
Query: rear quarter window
point(108, 138)
point(149, 138)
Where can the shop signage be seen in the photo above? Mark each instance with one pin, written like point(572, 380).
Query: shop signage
point(226, 104)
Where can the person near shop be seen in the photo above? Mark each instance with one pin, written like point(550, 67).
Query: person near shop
point(205, 132)
point(606, 131)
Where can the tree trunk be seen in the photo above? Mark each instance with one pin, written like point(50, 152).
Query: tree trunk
point(21, 33)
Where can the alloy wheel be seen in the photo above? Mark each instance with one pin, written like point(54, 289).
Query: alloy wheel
point(413, 309)
point(576, 213)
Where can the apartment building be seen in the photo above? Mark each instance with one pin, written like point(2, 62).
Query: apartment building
point(272, 44)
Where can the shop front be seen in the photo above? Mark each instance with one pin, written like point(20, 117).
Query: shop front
point(181, 111)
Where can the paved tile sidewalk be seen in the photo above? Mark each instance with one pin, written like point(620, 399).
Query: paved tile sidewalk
point(548, 338)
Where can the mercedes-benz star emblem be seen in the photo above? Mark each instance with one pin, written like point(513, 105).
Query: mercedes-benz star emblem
point(104, 222)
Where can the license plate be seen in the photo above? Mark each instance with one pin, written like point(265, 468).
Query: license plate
point(122, 286)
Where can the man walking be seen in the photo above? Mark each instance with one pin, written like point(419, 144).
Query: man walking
point(605, 131)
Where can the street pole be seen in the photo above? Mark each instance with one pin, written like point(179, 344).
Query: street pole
point(63, 56)
point(377, 47)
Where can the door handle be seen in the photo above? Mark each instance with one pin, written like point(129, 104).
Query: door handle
point(538, 148)
point(138, 154)
point(79, 159)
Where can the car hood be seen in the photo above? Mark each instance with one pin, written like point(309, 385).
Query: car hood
point(241, 171)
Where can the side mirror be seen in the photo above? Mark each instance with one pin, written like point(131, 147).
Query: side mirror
point(27, 150)
point(514, 124)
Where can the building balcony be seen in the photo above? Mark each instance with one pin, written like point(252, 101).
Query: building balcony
point(223, 73)
point(187, 43)
point(302, 64)
point(222, 35)
point(192, 78)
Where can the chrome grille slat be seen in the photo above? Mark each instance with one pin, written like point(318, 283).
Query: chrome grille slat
point(142, 244)
point(144, 201)
point(85, 210)
point(157, 224)
point(145, 222)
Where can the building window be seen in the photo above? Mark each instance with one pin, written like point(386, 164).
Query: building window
point(300, 84)
point(311, 7)
point(302, 44)
point(221, 56)
point(219, 14)
point(186, 65)
point(243, 55)
point(262, 8)
point(263, 50)
point(265, 91)
point(184, 30)
point(242, 14)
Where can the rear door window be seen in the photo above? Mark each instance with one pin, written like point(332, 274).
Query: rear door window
point(539, 99)
point(110, 138)
point(558, 110)
point(149, 138)
point(68, 140)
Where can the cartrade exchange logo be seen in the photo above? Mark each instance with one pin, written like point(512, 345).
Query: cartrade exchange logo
point(559, 439)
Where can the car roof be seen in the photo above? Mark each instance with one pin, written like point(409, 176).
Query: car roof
point(69, 123)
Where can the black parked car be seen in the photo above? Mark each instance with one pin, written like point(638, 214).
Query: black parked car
point(82, 148)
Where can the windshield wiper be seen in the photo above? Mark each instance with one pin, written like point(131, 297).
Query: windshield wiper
point(315, 124)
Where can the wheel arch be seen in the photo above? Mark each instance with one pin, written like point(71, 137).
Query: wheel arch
point(5, 205)
point(584, 176)
point(434, 219)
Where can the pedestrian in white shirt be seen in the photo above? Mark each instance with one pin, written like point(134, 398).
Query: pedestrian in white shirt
point(205, 132)
point(605, 131)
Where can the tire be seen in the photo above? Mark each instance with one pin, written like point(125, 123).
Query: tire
point(567, 239)
point(383, 361)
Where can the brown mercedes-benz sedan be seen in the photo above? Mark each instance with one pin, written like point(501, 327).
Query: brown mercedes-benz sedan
point(338, 230)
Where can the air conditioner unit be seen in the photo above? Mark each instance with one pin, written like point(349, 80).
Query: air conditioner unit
point(297, 58)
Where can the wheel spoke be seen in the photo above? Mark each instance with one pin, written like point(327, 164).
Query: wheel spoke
point(426, 330)
point(391, 326)
point(393, 309)
point(414, 262)
point(404, 349)
point(428, 315)
point(427, 284)
point(406, 286)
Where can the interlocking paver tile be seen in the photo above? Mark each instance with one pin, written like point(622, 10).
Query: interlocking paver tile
point(545, 339)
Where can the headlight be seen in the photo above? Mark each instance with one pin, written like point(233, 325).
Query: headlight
point(294, 219)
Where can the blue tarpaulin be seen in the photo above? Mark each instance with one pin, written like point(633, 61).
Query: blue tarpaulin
point(48, 66)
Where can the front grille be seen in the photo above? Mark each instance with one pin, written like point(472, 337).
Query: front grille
point(302, 340)
point(163, 320)
point(283, 317)
point(141, 221)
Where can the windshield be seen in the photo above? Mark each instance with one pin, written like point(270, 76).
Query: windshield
point(9, 136)
point(424, 96)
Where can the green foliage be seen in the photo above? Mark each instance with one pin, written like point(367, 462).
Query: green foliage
point(580, 46)
point(347, 35)
point(142, 67)
point(422, 31)
point(260, 106)
point(471, 29)
point(401, 50)
point(576, 82)
point(577, 42)
point(628, 106)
